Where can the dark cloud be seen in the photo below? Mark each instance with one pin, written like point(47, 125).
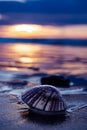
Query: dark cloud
point(45, 19)
point(45, 6)
point(45, 12)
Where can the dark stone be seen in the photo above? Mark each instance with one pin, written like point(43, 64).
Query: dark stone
point(55, 80)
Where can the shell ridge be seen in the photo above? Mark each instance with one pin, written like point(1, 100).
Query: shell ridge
point(34, 98)
point(26, 98)
point(47, 100)
point(37, 101)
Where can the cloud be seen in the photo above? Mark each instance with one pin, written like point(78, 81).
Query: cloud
point(22, 1)
point(58, 12)
point(45, 19)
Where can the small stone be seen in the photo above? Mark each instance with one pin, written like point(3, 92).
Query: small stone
point(58, 81)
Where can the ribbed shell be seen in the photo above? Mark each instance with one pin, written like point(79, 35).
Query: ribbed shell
point(44, 99)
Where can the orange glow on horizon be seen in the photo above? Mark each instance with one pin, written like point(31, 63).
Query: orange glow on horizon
point(43, 31)
point(25, 28)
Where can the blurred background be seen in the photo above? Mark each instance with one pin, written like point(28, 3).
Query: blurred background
point(43, 33)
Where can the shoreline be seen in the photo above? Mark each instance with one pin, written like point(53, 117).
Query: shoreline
point(14, 117)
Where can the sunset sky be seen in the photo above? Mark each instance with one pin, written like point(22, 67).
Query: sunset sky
point(43, 18)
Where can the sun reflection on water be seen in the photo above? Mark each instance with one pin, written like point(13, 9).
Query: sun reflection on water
point(49, 58)
point(22, 48)
point(25, 60)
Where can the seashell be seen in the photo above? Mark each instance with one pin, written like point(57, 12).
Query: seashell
point(45, 99)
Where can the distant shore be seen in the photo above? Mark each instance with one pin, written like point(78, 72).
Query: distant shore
point(70, 42)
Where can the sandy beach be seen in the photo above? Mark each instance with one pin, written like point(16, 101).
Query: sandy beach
point(13, 117)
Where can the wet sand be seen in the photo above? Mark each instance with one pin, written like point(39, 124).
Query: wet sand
point(13, 117)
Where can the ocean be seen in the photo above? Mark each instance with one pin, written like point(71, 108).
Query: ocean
point(43, 59)
point(52, 59)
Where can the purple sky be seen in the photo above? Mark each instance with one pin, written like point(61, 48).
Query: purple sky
point(54, 12)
